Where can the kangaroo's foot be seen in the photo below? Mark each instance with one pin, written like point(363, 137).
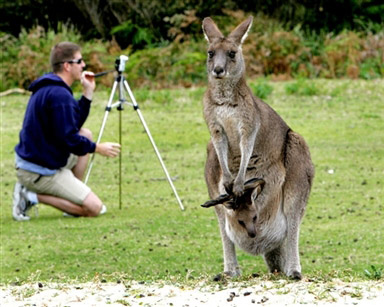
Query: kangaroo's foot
point(226, 275)
point(296, 275)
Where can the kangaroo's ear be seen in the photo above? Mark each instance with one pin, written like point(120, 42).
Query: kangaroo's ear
point(241, 32)
point(254, 183)
point(211, 31)
point(256, 192)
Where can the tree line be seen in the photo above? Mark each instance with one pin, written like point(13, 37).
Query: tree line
point(142, 23)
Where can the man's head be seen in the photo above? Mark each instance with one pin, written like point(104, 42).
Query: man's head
point(66, 59)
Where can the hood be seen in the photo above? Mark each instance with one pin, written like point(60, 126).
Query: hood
point(48, 79)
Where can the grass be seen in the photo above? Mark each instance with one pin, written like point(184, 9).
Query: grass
point(151, 239)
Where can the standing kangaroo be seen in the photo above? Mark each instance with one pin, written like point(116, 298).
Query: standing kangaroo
point(258, 171)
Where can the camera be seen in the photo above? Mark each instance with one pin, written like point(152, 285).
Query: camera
point(120, 63)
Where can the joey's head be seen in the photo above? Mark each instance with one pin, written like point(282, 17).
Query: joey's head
point(225, 59)
point(241, 211)
point(244, 217)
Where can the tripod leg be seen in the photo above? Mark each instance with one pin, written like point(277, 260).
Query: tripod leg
point(107, 110)
point(136, 107)
point(120, 155)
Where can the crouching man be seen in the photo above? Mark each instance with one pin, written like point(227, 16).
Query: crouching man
point(53, 150)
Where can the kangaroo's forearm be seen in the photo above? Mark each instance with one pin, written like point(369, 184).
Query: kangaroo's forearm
point(221, 147)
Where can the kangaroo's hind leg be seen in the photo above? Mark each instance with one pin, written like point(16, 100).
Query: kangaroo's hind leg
point(273, 260)
point(299, 177)
point(231, 266)
point(213, 177)
point(290, 258)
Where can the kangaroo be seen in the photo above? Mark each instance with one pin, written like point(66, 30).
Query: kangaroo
point(258, 171)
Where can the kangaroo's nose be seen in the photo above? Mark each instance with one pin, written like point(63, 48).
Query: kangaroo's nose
point(218, 70)
point(251, 235)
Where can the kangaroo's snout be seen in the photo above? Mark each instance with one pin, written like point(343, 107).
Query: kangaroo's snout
point(250, 227)
point(218, 72)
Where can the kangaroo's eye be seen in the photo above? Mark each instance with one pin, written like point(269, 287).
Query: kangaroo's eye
point(242, 223)
point(232, 54)
point(211, 54)
point(254, 218)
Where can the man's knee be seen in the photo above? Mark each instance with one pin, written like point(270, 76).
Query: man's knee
point(86, 132)
point(92, 205)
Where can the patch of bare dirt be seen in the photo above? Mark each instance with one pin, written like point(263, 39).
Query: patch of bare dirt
point(264, 293)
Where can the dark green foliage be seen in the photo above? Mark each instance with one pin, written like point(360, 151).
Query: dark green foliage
point(147, 22)
point(270, 50)
point(27, 57)
point(322, 15)
point(139, 37)
point(50, 14)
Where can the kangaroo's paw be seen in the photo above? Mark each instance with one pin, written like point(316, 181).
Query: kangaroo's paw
point(238, 188)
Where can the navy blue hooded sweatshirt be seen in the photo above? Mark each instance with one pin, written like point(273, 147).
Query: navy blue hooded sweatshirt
point(52, 121)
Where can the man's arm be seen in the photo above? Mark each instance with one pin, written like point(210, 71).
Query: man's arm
point(106, 149)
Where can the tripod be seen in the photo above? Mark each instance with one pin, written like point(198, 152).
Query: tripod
point(122, 84)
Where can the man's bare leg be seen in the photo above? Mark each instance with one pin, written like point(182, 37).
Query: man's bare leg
point(91, 206)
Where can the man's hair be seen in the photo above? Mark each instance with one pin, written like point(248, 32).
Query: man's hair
point(62, 52)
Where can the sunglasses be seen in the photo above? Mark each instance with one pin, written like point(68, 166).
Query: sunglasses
point(71, 61)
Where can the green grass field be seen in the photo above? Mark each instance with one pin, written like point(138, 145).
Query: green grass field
point(151, 239)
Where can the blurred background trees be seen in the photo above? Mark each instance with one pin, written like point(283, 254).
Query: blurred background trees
point(290, 38)
point(142, 22)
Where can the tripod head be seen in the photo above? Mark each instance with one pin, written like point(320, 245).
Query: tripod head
point(120, 63)
point(119, 66)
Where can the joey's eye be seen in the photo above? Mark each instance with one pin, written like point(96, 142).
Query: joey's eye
point(242, 223)
point(255, 218)
point(232, 54)
point(211, 54)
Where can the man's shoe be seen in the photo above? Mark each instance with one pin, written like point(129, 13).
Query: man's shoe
point(103, 210)
point(20, 203)
point(65, 214)
point(29, 204)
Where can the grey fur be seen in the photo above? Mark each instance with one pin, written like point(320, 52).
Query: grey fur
point(250, 140)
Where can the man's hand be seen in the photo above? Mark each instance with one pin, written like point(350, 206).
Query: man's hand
point(108, 149)
point(88, 82)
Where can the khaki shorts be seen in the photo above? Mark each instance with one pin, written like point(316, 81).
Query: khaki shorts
point(63, 184)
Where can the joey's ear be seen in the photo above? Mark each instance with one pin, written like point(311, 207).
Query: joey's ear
point(254, 183)
point(211, 31)
point(256, 192)
point(241, 32)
